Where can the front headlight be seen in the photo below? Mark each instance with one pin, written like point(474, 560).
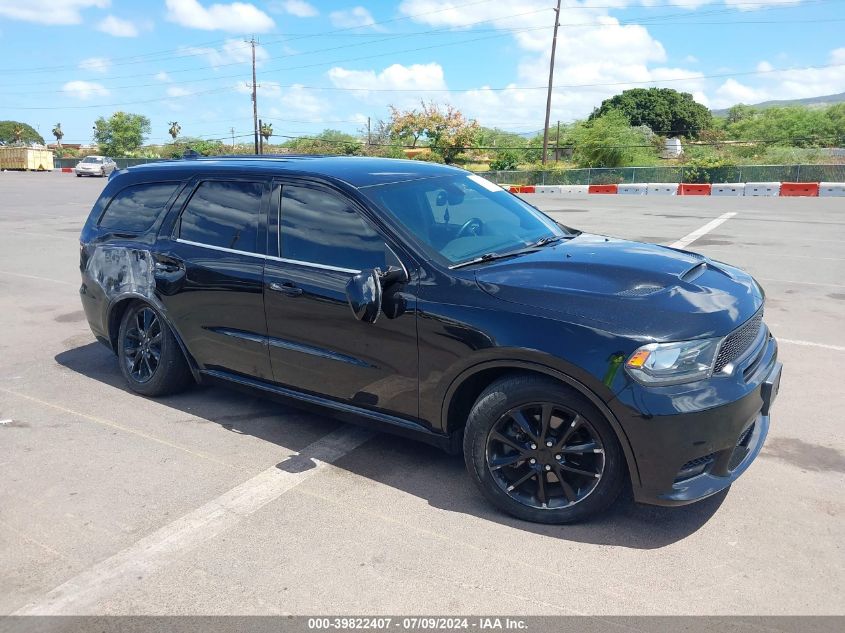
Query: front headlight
point(673, 363)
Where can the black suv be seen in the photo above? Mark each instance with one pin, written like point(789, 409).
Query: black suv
point(564, 365)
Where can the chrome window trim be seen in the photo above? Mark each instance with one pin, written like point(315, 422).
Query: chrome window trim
point(220, 248)
point(269, 257)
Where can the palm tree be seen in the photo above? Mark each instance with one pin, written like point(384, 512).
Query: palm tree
point(18, 133)
point(174, 130)
point(266, 131)
point(57, 132)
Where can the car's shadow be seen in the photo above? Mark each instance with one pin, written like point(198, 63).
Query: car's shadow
point(410, 466)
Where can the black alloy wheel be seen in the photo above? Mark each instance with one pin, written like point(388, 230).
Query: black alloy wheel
point(544, 455)
point(142, 345)
point(541, 451)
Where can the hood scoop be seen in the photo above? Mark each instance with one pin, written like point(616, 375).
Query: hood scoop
point(694, 273)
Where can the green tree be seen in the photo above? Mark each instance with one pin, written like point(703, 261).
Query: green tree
point(57, 132)
point(792, 126)
point(326, 142)
point(665, 111)
point(609, 141)
point(445, 128)
point(266, 131)
point(506, 160)
point(26, 133)
point(174, 130)
point(121, 134)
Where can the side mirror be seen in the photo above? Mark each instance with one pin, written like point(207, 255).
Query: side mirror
point(363, 291)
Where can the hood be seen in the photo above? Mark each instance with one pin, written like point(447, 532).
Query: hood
point(628, 288)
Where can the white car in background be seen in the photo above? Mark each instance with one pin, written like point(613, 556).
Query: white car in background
point(95, 166)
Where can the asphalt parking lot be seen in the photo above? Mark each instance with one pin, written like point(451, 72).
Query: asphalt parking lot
point(115, 504)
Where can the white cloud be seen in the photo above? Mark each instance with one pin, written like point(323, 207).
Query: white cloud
point(49, 11)
point(118, 27)
point(240, 17)
point(416, 77)
point(84, 90)
point(233, 51)
point(162, 76)
point(176, 91)
point(290, 104)
point(785, 84)
point(351, 18)
point(96, 64)
point(597, 60)
point(756, 5)
point(297, 8)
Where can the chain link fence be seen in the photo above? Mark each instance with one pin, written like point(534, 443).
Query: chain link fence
point(624, 175)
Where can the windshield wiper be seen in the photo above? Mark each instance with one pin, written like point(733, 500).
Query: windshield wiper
point(489, 257)
point(550, 239)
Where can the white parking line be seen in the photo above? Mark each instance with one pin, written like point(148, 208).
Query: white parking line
point(686, 240)
point(55, 281)
point(837, 348)
point(164, 546)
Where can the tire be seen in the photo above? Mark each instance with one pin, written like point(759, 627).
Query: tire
point(585, 456)
point(167, 374)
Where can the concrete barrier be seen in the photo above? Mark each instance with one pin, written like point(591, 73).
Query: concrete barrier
point(832, 189)
point(547, 189)
point(662, 188)
point(636, 189)
point(809, 189)
point(728, 189)
point(603, 188)
point(762, 188)
point(693, 189)
point(575, 190)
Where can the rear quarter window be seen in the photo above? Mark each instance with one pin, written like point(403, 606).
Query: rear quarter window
point(136, 208)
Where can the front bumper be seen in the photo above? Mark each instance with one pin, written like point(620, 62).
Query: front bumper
point(686, 452)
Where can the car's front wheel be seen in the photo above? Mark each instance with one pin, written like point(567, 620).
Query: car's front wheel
point(150, 357)
point(541, 451)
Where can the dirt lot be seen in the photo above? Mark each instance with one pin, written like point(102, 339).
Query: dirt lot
point(116, 504)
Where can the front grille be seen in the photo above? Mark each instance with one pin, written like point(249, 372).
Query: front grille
point(738, 341)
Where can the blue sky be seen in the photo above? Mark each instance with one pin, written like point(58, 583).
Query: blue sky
point(333, 64)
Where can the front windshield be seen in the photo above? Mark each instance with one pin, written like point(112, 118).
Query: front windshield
point(462, 217)
point(92, 159)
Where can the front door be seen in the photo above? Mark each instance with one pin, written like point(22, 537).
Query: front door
point(210, 275)
point(316, 343)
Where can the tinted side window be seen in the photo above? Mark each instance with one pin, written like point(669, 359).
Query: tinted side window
point(322, 228)
point(223, 213)
point(136, 208)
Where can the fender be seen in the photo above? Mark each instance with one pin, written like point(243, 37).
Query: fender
point(154, 302)
point(554, 373)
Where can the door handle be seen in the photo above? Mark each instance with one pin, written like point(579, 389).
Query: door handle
point(286, 288)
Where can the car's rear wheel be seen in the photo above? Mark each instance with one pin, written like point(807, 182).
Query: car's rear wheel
point(150, 357)
point(542, 452)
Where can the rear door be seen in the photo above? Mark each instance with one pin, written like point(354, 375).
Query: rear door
point(210, 271)
point(316, 343)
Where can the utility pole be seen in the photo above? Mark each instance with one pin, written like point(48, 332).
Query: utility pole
point(232, 132)
point(260, 137)
point(557, 143)
point(551, 79)
point(252, 42)
point(369, 133)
